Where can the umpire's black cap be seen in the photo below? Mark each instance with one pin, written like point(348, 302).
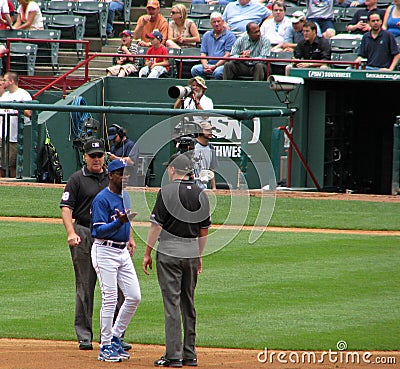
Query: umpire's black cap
point(180, 162)
point(93, 145)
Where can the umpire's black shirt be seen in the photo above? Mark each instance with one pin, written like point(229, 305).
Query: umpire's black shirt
point(81, 189)
point(182, 209)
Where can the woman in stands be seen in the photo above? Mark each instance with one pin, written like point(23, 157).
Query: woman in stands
point(391, 22)
point(182, 32)
point(29, 16)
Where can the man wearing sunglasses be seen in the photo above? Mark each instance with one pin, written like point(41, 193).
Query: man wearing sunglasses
point(81, 189)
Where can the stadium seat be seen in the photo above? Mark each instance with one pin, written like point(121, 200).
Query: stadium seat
point(23, 58)
point(204, 25)
point(184, 69)
point(47, 52)
point(292, 9)
point(348, 14)
point(125, 16)
point(344, 45)
point(59, 7)
point(96, 18)
point(72, 27)
point(5, 33)
point(173, 71)
point(202, 10)
point(343, 57)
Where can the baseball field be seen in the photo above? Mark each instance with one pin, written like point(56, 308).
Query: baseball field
point(319, 288)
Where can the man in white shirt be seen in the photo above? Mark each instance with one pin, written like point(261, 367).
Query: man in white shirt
point(274, 29)
point(12, 93)
point(197, 100)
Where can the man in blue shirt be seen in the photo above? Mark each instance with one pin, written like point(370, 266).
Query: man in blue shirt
point(378, 46)
point(238, 14)
point(217, 42)
point(112, 252)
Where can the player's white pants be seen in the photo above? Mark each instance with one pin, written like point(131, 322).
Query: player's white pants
point(114, 267)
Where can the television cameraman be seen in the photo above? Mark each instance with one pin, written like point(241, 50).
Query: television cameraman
point(197, 100)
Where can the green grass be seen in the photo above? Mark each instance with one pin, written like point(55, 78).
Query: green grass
point(285, 291)
point(288, 212)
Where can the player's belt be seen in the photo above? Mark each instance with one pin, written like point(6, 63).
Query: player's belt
point(117, 245)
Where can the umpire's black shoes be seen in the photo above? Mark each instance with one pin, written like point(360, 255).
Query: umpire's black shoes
point(125, 345)
point(163, 362)
point(85, 345)
point(189, 362)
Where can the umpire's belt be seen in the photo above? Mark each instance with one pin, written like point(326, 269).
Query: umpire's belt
point(117, 245)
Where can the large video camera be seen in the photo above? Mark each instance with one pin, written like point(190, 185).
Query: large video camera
point(90, 127)
point(179, 92)
point(185, 133)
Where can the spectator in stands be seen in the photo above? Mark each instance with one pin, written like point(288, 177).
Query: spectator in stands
point(359, 24)
point(239, 13)
point(155, 67)
point(391, 22)
point(125, 64)
point(197, 100)
point(212, 2)
point(13, 93)
point(321, 12)
point(378, 46)
point(274, 28)
point(182, 32)
point(348, 3)
point(311, 48)
point(7, 14)
point(146, 24)
point(216, 42)
point(115, 6)
point(250, 45)
point(29, 16)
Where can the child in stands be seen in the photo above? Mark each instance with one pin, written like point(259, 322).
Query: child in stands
point(155, 66)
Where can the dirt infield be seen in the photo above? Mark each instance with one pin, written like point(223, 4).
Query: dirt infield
point(38, 354)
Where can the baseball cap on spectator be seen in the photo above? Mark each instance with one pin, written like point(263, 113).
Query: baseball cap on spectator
point(126, 32)
point(298, 16)
point(153, 4)
point(116, 164)
point(155, 34)
point(180, 162)
point(93, 145)
point(199, 81)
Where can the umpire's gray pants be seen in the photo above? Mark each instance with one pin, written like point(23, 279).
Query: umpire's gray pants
point(177, 277)
point(85, 282)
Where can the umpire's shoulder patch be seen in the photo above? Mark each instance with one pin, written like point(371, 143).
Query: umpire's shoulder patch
point(65, 196)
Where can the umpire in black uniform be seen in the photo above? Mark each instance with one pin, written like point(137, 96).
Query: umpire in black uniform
point(81, 189)
point(180, 219)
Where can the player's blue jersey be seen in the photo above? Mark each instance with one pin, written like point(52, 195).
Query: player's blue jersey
point(105, 223)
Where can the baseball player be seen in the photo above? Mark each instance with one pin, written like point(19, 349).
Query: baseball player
point(180, 219)
point(112, 249)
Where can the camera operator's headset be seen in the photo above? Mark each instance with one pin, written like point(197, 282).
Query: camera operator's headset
point(120, 131)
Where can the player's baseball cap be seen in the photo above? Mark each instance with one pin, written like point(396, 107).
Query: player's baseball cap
point(126, 32)
point(298, 16)
point(155, 34)
point(116, 164)
point(93, 145)
point(199, 81)
point(206, 125)
point(153, 4)
point(180, 162)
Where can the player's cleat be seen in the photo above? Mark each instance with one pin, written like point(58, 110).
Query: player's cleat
point(116, 343)
point(189, 362)
point(163, 362)
point(125, 345)
point(109, 354)
point(85, 345)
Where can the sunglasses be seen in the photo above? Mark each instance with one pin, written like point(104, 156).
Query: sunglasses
point(96, 155)
point(173, 12)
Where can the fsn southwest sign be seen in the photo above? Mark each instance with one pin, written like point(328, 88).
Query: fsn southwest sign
point(228, 131)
